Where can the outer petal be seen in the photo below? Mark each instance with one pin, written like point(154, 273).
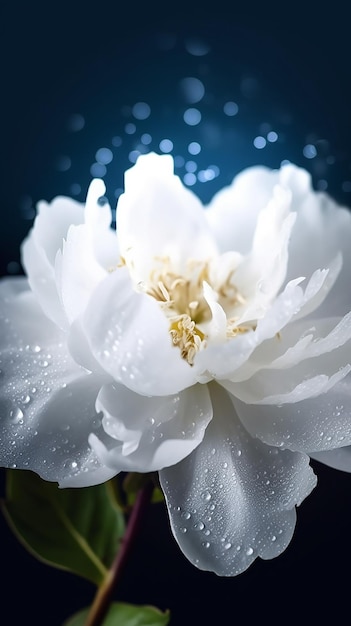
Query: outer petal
point(46, 401)
point(339, 458)
point(233, 211)
point(322, 229)
point(129, 336)
point(39, 250)
point(316, 424)
point(158, 217)
point(233, 499)
point(88, 252)
point(147, 434)
point(303, 371)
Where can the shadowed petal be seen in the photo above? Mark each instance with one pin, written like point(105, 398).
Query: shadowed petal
point(147, 434)
point(47, 402)
point(233, 499)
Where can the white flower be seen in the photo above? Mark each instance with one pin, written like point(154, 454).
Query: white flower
point(203, 344)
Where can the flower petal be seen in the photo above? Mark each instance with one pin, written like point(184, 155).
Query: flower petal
point(147, 434)
point(261, 275)
point(222, 362)
point(322, 230)
point(129, 336)
point(158, 217)
point(233, 211)
point(39, 251)
point(312, 425)
point(233, 499)
point(304, 370)
point(47, 402)
point(339, 458)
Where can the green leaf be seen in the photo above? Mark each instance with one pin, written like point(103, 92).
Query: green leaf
point(121, 614)
point(74, 529)
point(134, 481)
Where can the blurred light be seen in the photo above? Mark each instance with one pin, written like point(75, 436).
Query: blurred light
point(130, 128)
point(230, 108)
point(133, 155)
point(179, 161)
point(272, 136)
point(166, 145)
point(194, 148)
point(192, 117)
point(104, 155)
point(116, 141)
point(76, 122)
point(146, 139)
point(192, 89)
point(98, 170)
point(196, 47)
point(259, 142)
point(191, 166)
point(205, 175)
point(189, 179)
point(141, 111)
point(75, 189)
point(63, 163)
point(322, 185)
point(309, 151)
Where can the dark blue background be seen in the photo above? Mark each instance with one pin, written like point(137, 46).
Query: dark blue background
point(94, 59)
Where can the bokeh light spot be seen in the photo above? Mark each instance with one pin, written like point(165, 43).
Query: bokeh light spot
point(192, 117)
point(230, 108)
point(141, 111)
point(166, 145)
point(192, 89)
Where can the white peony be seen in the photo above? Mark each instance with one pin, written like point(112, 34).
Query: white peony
point(203, 344)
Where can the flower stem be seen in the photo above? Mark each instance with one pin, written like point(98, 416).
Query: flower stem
point(102, 600)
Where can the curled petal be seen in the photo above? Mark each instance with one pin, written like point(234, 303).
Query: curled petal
point(312, 425)
point(39, 251)
point(147, 434)
point(128, 335)
point(233, 499)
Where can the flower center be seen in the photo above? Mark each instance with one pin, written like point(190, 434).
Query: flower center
point(185, 305)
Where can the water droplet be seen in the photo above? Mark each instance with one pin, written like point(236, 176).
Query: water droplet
point(183, 530)
point(206, 544)
point(274, 538)
point(227, 546)
point(199, 526)
point(207, 532)
point(186, 515)
point(43, 363)
point(213, 451)
point(206, 496)
point(36, 348)
point(25, 399)
point(239, 452)
point(249, 551)
point(16, 415)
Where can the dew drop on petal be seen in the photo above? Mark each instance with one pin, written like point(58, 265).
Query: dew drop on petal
point(16, 415)
point(206, 496)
